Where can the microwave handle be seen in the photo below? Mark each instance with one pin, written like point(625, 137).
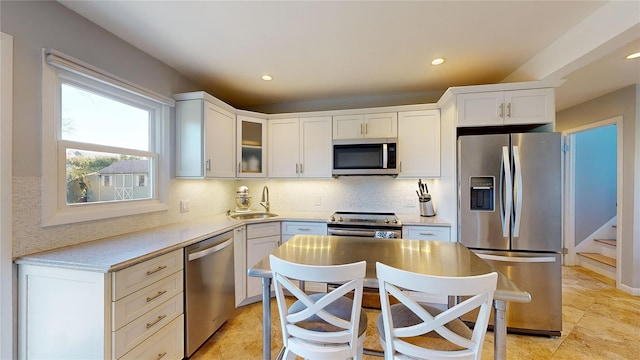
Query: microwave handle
point(385, 156)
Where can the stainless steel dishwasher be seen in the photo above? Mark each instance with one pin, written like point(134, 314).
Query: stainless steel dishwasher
point(209, 288)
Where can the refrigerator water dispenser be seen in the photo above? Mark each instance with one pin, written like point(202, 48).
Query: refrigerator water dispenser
point(482, 189)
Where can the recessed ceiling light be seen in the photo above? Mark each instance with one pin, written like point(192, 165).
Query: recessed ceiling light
point(267, 77)
point(437, 61)
point(633, 56)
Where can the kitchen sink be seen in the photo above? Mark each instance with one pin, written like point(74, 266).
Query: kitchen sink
point(248, 216)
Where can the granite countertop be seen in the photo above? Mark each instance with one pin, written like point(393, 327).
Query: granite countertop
point(118, 252)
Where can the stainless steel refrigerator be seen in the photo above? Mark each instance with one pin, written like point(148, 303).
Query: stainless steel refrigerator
point(510, 213)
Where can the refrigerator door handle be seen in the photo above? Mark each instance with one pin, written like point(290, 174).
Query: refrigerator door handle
point(517, 186)
point(536, 259)
point(505, 192)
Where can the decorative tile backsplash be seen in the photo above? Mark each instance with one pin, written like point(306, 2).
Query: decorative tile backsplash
point(208, 197)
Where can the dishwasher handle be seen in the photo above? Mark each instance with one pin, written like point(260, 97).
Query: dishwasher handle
point(209, 250)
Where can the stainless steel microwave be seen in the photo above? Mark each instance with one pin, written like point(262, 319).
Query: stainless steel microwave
point(365, 157)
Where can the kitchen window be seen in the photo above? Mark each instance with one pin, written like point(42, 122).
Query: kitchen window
point(105, 144)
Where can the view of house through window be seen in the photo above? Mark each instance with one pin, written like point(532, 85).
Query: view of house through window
point(91, 122)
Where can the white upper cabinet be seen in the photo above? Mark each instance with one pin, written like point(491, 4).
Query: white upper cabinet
point(252, 149)
point(419, 143)
point(514, 107)
point(300, 147)
point(383, 125)
point(205, 143)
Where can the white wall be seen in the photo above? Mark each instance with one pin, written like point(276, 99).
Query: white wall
point(619, 103)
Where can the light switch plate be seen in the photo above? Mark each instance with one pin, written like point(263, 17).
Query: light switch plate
point(184, 206)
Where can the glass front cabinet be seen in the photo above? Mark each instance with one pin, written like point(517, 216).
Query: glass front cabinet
point(252, 151)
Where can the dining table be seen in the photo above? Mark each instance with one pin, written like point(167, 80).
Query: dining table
point(439, 258)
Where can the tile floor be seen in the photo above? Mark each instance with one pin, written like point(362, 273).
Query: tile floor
point(599, 322)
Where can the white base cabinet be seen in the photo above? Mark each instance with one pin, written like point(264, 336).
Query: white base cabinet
point(437, 233)
point(78, 314)
point(262, 239)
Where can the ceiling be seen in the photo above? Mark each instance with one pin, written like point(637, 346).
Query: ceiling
point(319, 52)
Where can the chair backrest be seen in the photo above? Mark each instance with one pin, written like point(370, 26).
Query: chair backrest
point(479, 290)
point(312, 326)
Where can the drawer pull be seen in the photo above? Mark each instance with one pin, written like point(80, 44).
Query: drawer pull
point(160, 293)
point(427, 234)
point(156, 321)
point(161, 355)
point(150, 272)
point(304, 229)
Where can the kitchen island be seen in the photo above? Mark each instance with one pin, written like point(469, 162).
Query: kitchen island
point(421, 256)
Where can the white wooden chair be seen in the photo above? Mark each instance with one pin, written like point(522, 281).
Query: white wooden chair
point(418, 331)
point(322, 325)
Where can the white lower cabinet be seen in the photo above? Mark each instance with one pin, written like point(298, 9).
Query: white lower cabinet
point(437, 233)
point(262, 239)
point(136, 312)
point(291, 228)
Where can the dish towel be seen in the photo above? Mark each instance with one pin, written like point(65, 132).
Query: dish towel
point(384, 235)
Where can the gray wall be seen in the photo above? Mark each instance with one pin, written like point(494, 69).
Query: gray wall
point(595, 179)
point(623, 103)
point(47, 24)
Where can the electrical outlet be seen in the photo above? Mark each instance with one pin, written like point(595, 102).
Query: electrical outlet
point(409, 201)
point(184, 206)
point(317, 200)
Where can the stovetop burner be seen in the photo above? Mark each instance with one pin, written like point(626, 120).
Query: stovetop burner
point(372, 219)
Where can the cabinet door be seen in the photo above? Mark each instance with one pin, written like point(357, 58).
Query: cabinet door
point(534, 106)
point(240, 263)
point(348, 126)
point(481, 109)
point(257, 249)
point(219, 142)
point(284, 148)
point(189, 139)
point(381, 125)
point(419, 143)
point(315, 147)
point(252, 149)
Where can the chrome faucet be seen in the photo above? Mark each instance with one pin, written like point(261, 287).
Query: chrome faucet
point(265, 198)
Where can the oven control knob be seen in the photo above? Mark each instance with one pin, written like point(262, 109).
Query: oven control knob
point(386, 221)
point(332, 219)
point(395, 221)
point(339, 218)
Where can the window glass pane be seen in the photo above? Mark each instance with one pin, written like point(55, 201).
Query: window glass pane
point(91, 118)
point(99, 176)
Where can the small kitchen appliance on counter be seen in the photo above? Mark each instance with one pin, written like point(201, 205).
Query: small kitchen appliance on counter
point(426, 205)
point(243, 200)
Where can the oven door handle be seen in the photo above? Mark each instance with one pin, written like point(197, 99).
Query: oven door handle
point(360, 232)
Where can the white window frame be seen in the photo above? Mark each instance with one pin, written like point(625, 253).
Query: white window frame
point(57, 67)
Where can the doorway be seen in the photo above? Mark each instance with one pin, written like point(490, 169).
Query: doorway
point(593, 178)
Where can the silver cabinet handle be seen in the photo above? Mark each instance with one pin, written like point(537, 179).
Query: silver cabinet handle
point(161, 355)
point(208, 164)
point(159, 268)
point(366, 128)
point(509, 110)
point(160, 293)
point(502, 110)
point(304, 229)
point(427, 234)
point(361, 132)
point(301, 168)
point(156, 321)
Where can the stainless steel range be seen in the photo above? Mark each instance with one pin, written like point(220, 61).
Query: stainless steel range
point(364, 224)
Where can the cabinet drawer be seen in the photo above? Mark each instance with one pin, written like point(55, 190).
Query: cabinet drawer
point(263, 229)
point(132, 334)
point(440, 233)
point(133, 306)
point(136, 277)
point(315, 228)
point(166, 344)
